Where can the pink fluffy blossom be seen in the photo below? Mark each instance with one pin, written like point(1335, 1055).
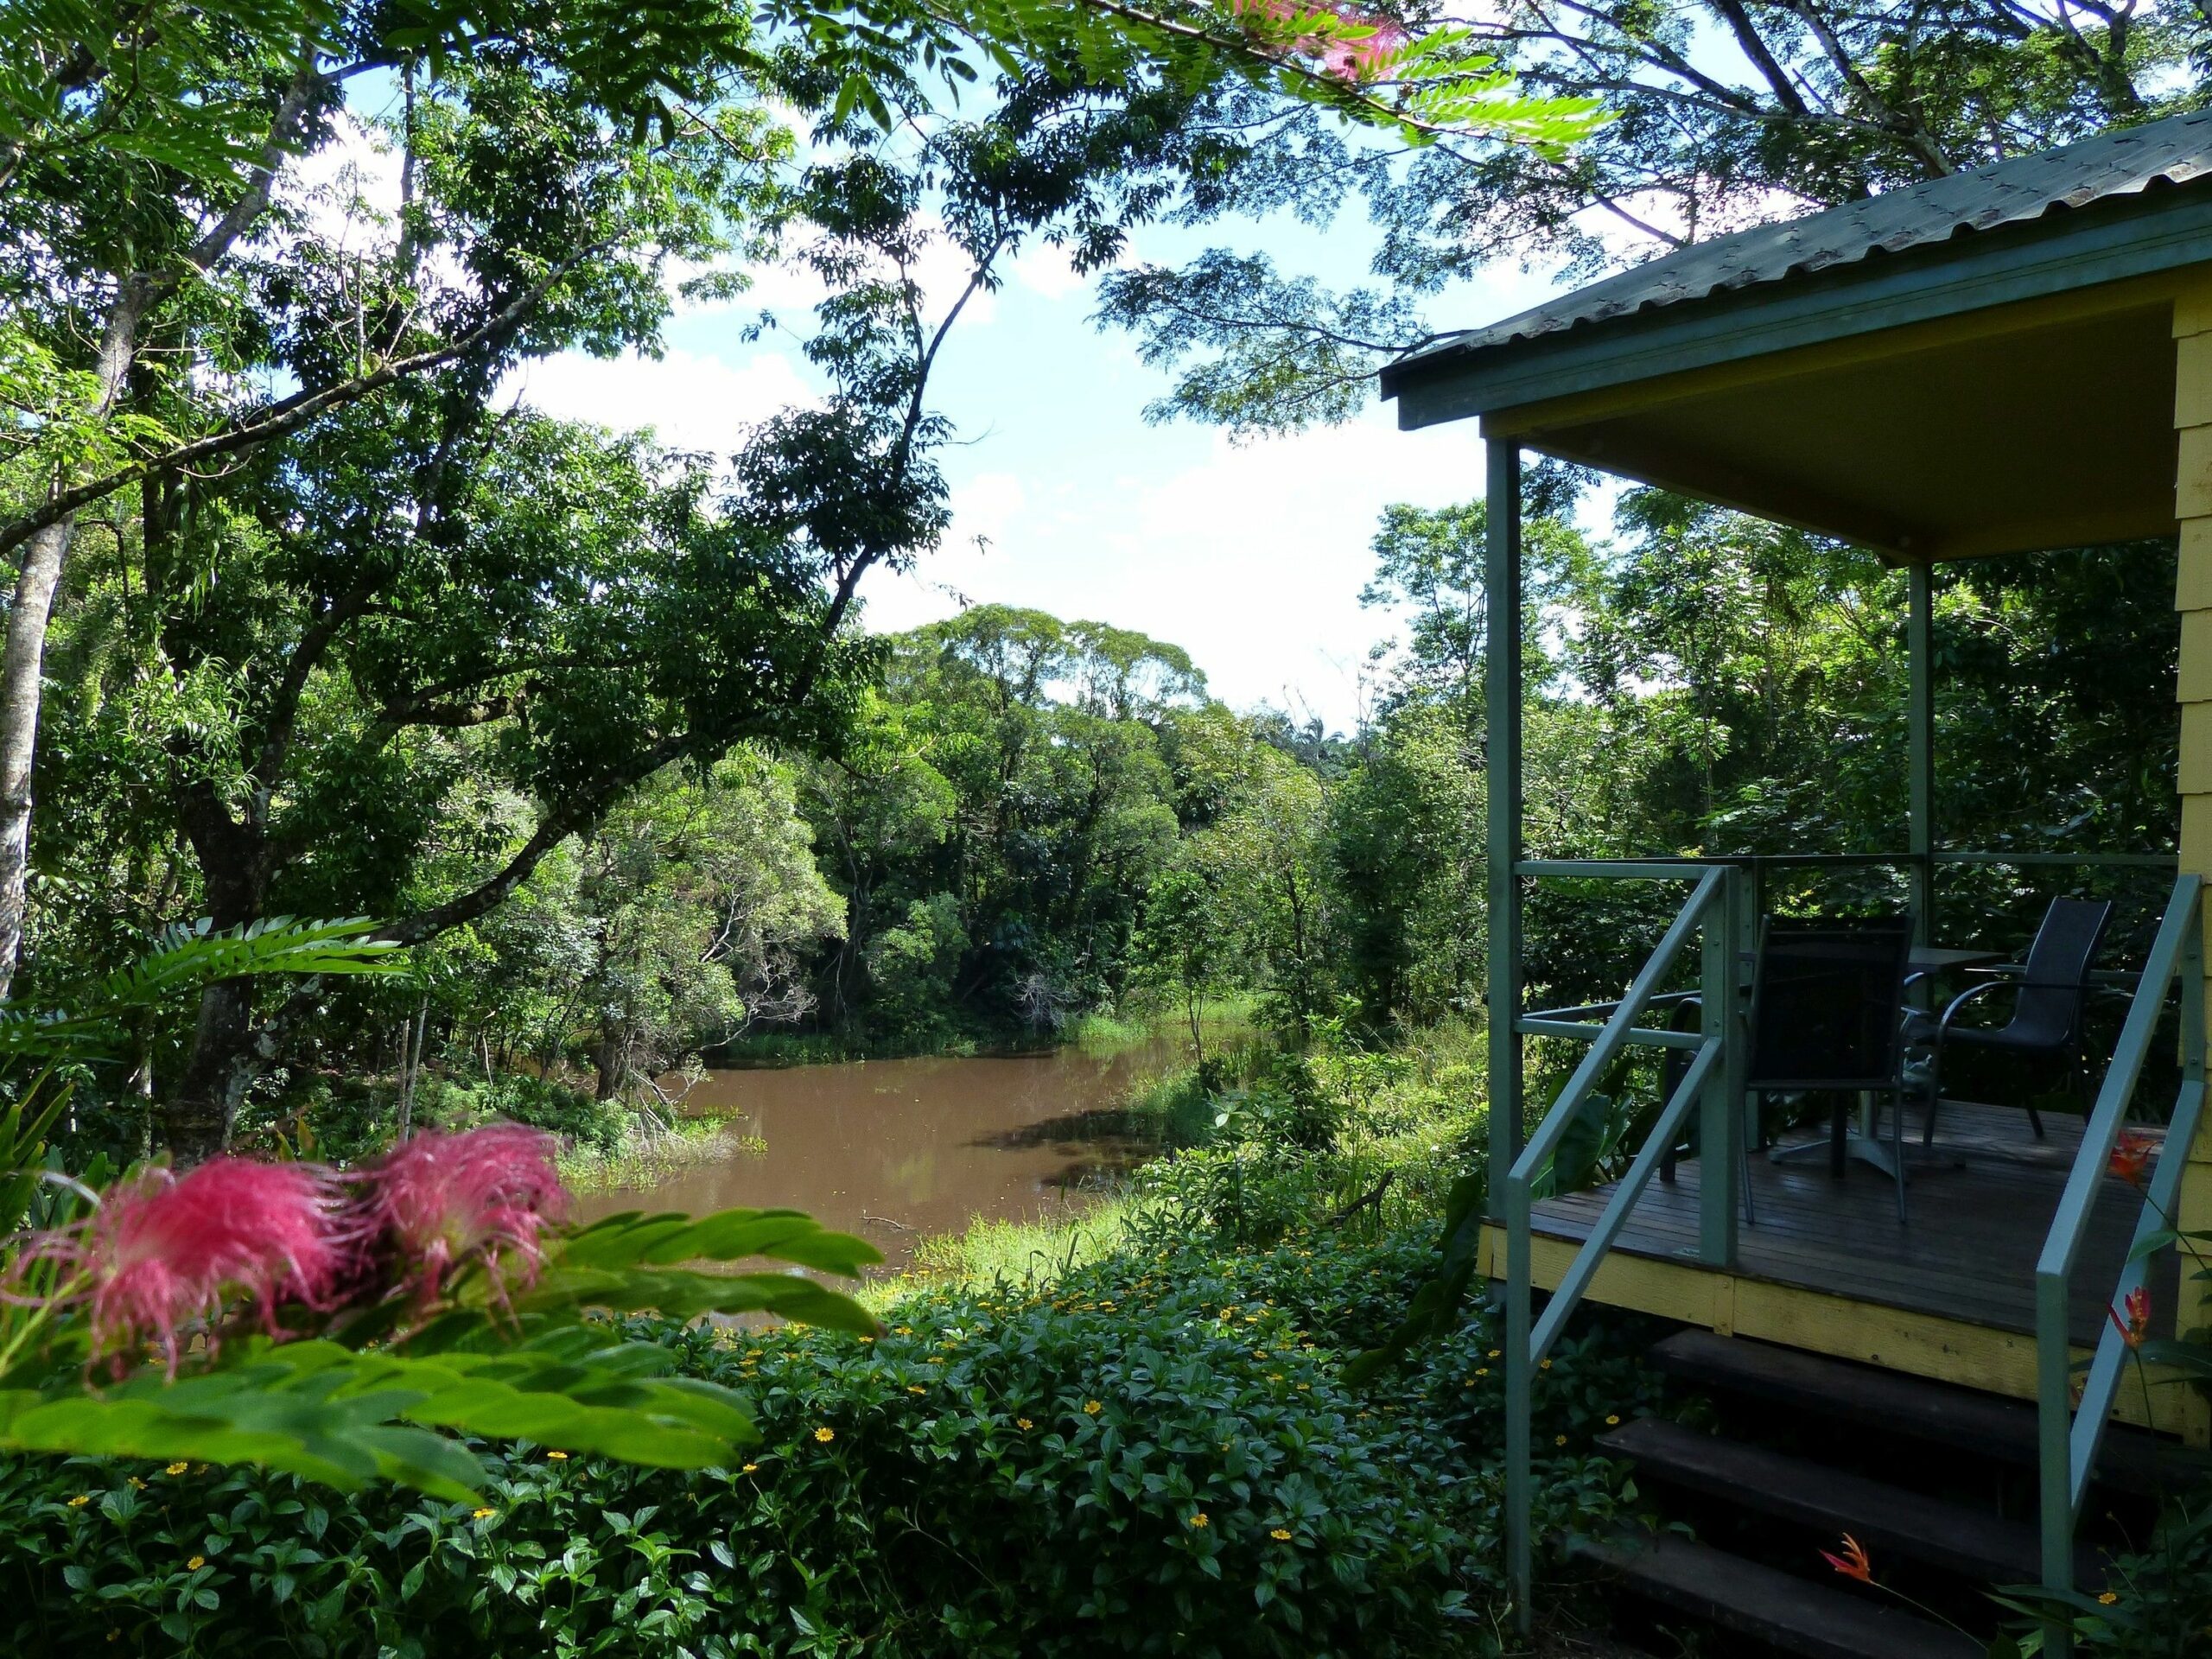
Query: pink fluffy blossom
point(164, 1249)
point(1364, 59)
point(1357, 59)
point(444, 1200)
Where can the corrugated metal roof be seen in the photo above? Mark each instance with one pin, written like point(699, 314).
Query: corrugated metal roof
point(2121, 163)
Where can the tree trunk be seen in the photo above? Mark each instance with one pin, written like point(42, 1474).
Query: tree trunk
point(22, 656)
point(410, 1065)
point(196, 1122)
point(21, 668)
point(612, 1059)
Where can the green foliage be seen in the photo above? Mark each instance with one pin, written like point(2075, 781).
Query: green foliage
point(375, 1401)
point(92, 1022)
point(1009, 1470)
point(348, 1120)
point(2157, 1604)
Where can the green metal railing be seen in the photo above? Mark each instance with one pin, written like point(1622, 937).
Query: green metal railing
point(2070, 1435)
point(1719, 907)
point(1722, 907)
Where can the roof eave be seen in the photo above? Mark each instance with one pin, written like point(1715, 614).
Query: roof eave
point(2162, 227)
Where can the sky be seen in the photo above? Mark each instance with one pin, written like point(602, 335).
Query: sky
point(1248, 554)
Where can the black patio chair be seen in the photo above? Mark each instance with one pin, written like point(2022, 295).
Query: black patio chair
point(1824, 1019)
point(2052, 993)
point(1825, 996)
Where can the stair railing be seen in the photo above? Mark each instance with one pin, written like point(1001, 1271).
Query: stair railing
point(1718, 908)
point(2069, 1435)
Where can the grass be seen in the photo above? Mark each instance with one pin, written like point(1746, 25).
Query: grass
point(994, 1251)
point(645, 1156)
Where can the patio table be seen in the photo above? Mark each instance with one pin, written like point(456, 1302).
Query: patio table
point(1862, 1145)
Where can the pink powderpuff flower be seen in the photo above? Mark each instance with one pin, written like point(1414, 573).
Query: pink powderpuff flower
point(1355, 60)
point(163, 1249)
point(1364, 59)
point(444, 1200)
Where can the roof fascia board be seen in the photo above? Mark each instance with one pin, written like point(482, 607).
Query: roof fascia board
point(2139, 235)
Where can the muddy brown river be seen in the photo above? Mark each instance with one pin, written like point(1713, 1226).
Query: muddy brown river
point(896, 1150)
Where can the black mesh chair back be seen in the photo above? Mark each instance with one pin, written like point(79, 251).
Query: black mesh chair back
point(2056, 986)
point(1825, 1002)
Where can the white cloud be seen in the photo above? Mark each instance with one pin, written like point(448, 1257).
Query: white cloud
point(1044, 270)
point(689, 401)
point(1251, 556)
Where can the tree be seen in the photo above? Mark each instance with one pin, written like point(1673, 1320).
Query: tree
point(141, 161)
point(1722, 114)
point(696, 900)
point(421, 586)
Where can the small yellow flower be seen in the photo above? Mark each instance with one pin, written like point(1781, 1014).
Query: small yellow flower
point(1543, 1364)
point(136, 1485)
point(1560, 1440)
point(1482, 1370)
point(196, 1564)
point(481, 1515)
point(1280, 1534)
point(825, 1435)
point(80, 1500)
point(557, 1456)
point(867, 1338)
point(1494, 1353)
point(1023, 1423)
point(177, 1468)
point(2108, 1597)
point(1612, 1422)
point(1091, 1408)
point(748, 1469)
point(902, 1331)
point(916, 1388)
point(1199, 1519)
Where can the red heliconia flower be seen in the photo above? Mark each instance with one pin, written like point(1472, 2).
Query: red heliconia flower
point(164, 1249)
point(2137, 1325)
point(443, 1200)
point(1852, 1563)
point(2133, 1150)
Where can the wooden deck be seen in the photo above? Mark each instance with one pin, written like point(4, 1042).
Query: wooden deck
point(1828, 1267)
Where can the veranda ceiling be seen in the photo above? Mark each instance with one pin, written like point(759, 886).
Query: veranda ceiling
point(1981, 365)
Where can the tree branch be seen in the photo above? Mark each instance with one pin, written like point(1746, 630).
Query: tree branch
point(287, 415)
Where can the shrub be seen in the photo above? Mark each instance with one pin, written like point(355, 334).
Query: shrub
point(1151, 1455)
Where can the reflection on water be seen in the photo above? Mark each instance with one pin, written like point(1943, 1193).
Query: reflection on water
point(896, 1150)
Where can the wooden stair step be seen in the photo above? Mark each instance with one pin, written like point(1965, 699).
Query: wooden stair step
point(1992, 1426)
point(1885, 1518)
point(1797, 1616)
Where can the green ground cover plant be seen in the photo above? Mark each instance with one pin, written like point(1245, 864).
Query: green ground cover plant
point(1153, 1453)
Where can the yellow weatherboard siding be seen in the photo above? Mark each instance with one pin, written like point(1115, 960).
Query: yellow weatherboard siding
point(2193, 599)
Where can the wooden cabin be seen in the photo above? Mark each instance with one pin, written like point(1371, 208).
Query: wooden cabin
point(2014, 359)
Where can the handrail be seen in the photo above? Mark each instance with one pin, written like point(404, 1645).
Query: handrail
point(1711, 906)
point(2068, 1439)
